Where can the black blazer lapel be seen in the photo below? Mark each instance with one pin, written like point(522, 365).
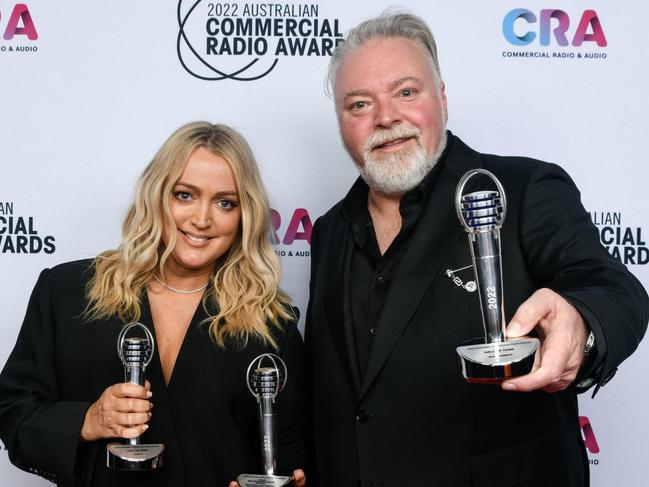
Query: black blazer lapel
point(338, 306)
point(347, 343)
point(437, 234)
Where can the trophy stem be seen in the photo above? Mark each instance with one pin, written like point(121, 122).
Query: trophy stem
point(135, 375)
point(485, 251)
point(267, 428)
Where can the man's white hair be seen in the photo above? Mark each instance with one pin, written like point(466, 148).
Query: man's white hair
point(390, 23)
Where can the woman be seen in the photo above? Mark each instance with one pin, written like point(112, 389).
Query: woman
point(195, 266)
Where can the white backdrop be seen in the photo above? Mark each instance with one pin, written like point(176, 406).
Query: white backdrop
point(86, 104)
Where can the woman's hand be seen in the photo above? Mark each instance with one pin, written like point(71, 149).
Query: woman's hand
point(299, 479)
point(121, 411)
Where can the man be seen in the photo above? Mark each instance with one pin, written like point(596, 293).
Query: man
point(384, 319)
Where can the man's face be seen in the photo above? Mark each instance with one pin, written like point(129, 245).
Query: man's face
point(390, 106)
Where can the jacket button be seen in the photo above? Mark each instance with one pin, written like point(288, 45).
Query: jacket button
point(362, 416)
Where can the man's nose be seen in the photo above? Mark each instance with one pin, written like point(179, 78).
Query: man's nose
point(387, 113)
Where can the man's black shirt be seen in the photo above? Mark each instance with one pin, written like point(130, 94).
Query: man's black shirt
point(371, 272)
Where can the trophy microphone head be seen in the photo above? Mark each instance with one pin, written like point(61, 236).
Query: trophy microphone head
point(135, 352)
point(266, 376)
point(265, 380)
point(480, 211)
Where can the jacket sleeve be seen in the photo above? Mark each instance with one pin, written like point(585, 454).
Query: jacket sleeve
point(39, 428)
point(564, 254)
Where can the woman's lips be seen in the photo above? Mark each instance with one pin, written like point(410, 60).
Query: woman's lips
point(194, 240)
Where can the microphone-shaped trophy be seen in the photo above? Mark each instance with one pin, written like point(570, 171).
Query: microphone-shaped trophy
point(266, 377)
point(136, 354)
point(494, 357)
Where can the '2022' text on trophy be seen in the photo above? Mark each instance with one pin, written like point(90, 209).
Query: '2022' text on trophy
point(136, 354)
point(494, 357)
point(266, 377)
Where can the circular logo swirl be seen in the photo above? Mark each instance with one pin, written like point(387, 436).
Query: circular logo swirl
point(185, 47)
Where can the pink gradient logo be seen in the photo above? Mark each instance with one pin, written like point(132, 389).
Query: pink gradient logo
point(299, 227)
point(590, 442)
point(20, 23)
point(520, 27)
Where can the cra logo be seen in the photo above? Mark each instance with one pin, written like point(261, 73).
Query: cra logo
point(19, 23)
point(522, 27)
point(299, 227)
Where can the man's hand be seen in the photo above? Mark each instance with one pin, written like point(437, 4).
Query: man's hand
point(299, 479)
point(563, 335)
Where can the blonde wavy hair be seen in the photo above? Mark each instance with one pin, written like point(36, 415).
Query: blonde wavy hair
point(244, 293)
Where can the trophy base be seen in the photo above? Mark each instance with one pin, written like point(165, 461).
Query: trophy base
point(251, 480)
point(492, 363)
point(134, 458)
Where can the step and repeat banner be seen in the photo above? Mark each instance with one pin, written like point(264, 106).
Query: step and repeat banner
point(90, 91)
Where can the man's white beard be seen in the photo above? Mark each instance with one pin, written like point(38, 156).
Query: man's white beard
point(400, 171)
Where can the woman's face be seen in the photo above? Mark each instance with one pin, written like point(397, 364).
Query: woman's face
point(205, 207)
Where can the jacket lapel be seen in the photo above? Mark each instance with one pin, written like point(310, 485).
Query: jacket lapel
point(347, 345)
point(436, 234)
point(339, 320)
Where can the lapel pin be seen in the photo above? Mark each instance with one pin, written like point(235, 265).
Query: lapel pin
point(469, 286)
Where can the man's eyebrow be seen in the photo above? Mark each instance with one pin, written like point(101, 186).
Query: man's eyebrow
point(392, 85)
point(356, 93)
point(403, 80)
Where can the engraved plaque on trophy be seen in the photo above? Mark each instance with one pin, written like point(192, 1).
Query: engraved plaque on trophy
point(266, 377)
point(135, 353)
point(492, 358)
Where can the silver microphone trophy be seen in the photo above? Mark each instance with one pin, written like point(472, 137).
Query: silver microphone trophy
point(492, 358)
point(265, 382)
point(136, 354)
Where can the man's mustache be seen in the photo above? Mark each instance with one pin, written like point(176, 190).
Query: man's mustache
point(384, 136)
